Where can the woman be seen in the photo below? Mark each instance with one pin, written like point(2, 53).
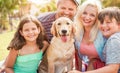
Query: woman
point(89, 40)
point(110, 27)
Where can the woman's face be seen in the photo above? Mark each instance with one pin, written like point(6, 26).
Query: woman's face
point(89, 16)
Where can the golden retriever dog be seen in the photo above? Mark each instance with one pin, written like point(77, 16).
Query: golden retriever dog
point(60, 52)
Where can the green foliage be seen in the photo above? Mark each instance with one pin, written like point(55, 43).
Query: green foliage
point(6, 10)
point(82, 1)
point(107, 3)
point(4, 42)
point(8, 5)
point(51, 6)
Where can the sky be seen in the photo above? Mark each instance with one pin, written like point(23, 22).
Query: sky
point(39, 1)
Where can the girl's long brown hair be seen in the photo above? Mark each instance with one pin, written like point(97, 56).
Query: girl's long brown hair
point(18, 41)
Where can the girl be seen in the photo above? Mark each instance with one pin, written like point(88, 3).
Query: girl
point(27, 47)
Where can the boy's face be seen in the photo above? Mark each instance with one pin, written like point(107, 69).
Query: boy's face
point(109, 26)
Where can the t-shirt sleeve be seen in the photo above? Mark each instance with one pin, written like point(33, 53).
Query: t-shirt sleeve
point(113, 51)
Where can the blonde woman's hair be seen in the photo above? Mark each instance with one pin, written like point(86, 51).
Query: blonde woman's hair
point(79, 25)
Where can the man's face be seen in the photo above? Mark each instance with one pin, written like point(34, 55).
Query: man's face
point(66, 8)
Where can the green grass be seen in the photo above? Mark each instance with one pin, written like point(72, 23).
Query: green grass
point(5, 39)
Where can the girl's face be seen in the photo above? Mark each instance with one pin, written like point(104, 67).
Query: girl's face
point(109, 27)
point(89, 16)
point(30, 31)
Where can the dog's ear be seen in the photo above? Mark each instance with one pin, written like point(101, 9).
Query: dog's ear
point(53, 29)
point(73, 30)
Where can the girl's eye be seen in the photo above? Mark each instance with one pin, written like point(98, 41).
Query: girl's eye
point(108, 22)
point(26, 30)
point(33, 28)
point(63, 8)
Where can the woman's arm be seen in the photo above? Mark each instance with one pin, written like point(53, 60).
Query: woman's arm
point(10, 60)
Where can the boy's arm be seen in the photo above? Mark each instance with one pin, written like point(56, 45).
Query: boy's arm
point(111, 68)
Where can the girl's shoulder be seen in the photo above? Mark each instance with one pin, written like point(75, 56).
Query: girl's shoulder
point(14, 51)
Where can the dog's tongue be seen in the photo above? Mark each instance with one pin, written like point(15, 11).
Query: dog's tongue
point(64, 38)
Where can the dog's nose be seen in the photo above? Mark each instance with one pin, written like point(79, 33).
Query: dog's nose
point(64, 31)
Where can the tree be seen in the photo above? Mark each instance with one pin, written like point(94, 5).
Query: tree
point(50, 6)
point(107, 3)
point(6, 11)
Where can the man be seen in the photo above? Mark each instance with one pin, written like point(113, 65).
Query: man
point(65, 8)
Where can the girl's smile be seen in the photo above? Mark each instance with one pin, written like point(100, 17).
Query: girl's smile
point(30, 31)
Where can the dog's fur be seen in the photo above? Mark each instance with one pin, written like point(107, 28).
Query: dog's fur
point(60, 52)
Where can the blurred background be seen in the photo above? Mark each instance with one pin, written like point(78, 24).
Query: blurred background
point(11, 12)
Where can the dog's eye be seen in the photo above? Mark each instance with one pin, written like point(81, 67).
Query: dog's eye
point(59, 23)
point(68, 23)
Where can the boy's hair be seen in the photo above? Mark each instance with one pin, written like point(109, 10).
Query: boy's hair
point(18, 40)
point(111, 12)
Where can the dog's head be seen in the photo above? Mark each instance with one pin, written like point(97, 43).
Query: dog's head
point(63, 27)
